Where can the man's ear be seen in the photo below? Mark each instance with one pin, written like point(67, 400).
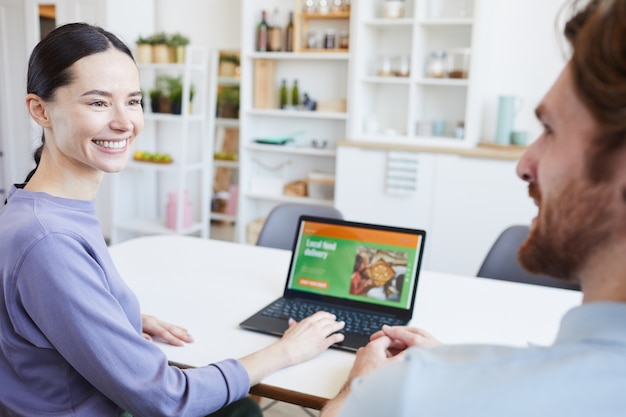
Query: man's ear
point(37, 109)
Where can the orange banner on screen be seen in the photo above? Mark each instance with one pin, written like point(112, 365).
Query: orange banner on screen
point(356, 234)
point(313, 283)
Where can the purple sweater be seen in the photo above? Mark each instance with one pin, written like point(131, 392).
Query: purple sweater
point(70, 328)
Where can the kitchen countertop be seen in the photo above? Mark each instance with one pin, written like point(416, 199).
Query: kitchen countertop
point(482, 150)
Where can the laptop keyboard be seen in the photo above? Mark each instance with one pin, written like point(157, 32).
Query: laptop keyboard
point(356, 322)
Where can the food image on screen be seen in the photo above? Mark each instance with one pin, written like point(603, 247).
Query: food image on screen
point(379, 272)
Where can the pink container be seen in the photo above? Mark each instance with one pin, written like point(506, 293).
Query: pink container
point(171, 211)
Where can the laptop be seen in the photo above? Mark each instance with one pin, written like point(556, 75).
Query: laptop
point(365, 274)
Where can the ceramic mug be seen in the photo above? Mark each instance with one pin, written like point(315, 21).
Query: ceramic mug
point(508, 108)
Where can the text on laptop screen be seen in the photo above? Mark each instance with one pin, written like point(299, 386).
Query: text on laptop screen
point(357, 263)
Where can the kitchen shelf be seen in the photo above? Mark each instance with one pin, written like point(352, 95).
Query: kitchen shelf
point(325, 16)
point(141, 194)
point(217, 163)
point(382, 22)
point(387, 80)
point(407, 105)
point(450, 82)
point(341, 55)
point(323, 74)
point(171, 168)
point(289, 199)
point(298, 114)
point(225, 132)
point(228, 80)
point(294, 150)
point(446, 22)
point(223, 122)
point(223, 217)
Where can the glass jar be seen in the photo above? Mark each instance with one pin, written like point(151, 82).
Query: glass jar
point(329, 39)
point(393, 9)
point(309, 6)
point(311, 40)
point(384, 67)
point(437, 65)
point(459, 63)
point(337, 6)
point(323, 7)
point(344, 39)
point(403, 65)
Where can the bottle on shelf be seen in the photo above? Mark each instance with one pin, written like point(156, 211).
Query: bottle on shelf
point(289, 34)
point(262, 33)
point(283, 94)
point(295, 94)
point(275, 34)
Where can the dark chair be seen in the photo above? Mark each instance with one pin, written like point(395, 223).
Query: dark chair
point(501, 262)
point(279, 228)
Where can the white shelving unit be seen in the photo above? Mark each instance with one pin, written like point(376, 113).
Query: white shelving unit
point(389, 108)
point(323, 74)
point(141, 192)
point(219, 132)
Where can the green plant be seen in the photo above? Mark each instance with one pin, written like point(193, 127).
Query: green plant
point(143, 41)
point(159, 38)
point(228, 96)
point(178, 39)
point(162, 84)
point(230, 58)
point(155, 95)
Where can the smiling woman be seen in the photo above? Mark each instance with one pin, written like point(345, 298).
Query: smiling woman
point(74, 341)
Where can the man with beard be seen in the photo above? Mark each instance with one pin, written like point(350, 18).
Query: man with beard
point(576, 173)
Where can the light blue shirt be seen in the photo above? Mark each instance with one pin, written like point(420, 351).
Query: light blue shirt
point(582, 374)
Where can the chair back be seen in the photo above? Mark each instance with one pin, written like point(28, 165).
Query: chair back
point(501, 262)
point(279, 229)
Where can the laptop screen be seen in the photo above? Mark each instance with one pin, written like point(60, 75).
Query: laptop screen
point(355, 262)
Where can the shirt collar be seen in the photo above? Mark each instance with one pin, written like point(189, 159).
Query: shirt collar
point(598, 322)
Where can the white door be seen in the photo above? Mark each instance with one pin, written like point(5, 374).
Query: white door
point(15, 139)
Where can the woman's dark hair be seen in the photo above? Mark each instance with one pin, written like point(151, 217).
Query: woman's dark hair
point(50, 61)
point(597, 34)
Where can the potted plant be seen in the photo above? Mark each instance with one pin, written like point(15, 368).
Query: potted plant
point(228, 103)
point(178, 42)
point(155, 97)
point(144, 50)
point(162, 92)
point(160, 49)
point(175, 88)
point(228, 64)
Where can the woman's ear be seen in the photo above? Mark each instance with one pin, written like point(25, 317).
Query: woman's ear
point(37, 109)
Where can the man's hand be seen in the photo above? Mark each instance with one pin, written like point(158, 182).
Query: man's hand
point(404, 337)
point(385, 346)
point(170, 333)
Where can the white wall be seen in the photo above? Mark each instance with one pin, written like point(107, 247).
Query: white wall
point(211, 23)
point(524, 58)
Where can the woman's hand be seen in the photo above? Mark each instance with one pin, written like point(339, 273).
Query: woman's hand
point(170, 333)
point(302, 341)
point(311, 336)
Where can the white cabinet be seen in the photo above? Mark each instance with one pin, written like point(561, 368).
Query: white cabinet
point(398, 93)
point(157, 198)
point(463, 202)
point(265, 169)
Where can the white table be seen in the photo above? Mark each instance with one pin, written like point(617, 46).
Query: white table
point(210, 286)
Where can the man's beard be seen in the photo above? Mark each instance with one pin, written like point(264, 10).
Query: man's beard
point(569, 229)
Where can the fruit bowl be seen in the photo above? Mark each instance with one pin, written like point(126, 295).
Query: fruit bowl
point(155, 158)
